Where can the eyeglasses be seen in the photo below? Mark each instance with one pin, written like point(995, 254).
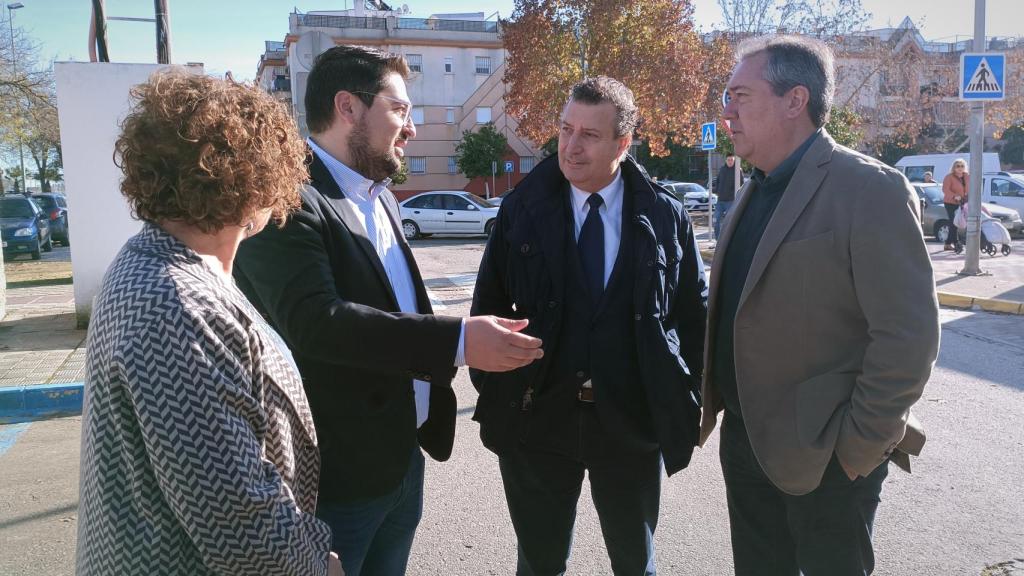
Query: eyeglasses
point(406, 105)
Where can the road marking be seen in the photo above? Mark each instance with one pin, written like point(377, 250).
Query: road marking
point(9, 435)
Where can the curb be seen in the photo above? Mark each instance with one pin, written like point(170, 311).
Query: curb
point(965, 302)
point(40, 401)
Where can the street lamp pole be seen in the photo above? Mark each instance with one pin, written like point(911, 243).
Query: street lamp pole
point(14, 64)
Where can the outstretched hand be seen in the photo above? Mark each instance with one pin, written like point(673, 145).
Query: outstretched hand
point(495, 345)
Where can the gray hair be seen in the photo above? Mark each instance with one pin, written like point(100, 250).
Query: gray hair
point(957, 162)
point(600, 89)
point(796, 61)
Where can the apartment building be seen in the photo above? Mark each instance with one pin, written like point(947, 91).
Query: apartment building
point(457, 63)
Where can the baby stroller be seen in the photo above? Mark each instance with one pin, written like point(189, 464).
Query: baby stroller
point(994, 237)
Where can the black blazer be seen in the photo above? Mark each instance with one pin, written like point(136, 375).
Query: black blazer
point(319, 282)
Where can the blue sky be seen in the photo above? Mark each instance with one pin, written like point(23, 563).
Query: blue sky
point(229, 34)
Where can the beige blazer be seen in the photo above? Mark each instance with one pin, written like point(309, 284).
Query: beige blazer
point(837, 326)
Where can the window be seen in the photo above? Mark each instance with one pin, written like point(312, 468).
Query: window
point(453, 202)
point(916, 173)
point(425, 202)
point(483, 64)
point(1006, 188)
point(415, 62)
point(449, 115)
point(483, 114)
point(526, 164)
point(417, 115)
point(448, 65)
point(417, 165)
point(453, 167)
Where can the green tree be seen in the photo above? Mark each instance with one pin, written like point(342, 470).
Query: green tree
point(844, 126)
point(1012, 153)
point(890, 149)
point(14, 175)
point(477, 150)
point(402, 175)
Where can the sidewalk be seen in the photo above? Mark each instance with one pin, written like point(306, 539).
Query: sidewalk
point(42, 354)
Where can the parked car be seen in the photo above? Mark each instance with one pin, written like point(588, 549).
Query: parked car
point(56, 207)
point(447, 212)
point(496, 200)
point(692, 195)
point(24, 228)
point(935, 221)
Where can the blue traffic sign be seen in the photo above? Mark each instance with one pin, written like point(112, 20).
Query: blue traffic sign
point(509, 166)
point(982, 76)
point(708, 136)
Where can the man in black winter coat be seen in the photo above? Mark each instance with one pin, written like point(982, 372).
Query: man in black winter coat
point(604, 265)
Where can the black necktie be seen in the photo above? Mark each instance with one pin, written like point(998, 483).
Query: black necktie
point(591, 247)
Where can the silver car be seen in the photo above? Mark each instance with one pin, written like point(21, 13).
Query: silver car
point(935, 221)
point(447, 212)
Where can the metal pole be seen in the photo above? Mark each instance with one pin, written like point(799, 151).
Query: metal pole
point(711, 201)
point(14, 65)
point(977, 172)
point(163, 32)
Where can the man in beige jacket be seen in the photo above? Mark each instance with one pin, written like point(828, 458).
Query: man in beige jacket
point(823, 324)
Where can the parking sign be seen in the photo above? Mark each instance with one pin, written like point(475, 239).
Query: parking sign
point(510, 166)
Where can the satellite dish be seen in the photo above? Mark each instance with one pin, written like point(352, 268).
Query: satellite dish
point(310, 45)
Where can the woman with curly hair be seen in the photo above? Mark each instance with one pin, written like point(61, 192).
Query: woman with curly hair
point(199, 454)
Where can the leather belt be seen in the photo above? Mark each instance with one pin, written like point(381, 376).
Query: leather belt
point(586, 392)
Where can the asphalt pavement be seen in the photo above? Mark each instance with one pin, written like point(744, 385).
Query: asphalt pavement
point(960, 511)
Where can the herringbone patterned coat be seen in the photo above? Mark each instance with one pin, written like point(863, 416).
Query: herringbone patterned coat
point(198, 449)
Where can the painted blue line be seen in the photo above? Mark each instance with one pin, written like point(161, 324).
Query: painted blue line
point(9, 435)
point(28, 403)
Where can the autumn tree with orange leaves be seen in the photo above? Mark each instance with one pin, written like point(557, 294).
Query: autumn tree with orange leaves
point(651, 46)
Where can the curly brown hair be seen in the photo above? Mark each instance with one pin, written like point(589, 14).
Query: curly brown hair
point(207, 152)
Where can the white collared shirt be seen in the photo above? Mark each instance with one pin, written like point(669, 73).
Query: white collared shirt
point(611, 218)
point(362, 195)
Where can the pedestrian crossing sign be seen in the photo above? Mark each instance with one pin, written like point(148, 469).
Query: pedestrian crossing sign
point(708, 136)
point(982, 76)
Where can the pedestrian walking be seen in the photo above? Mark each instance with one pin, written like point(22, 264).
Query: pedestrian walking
point(954, 193)
point(823, 324)
point(198, 446)
point(725, 188)
point(604, 265)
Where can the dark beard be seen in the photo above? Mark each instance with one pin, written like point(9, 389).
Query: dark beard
point(370, 163)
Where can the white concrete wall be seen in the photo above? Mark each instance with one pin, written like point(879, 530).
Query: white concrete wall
point(92, 99)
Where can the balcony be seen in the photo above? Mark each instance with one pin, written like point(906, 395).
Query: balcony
point(478, 32)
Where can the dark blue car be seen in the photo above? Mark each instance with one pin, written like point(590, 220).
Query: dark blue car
point(56, 208)
point(24, 228)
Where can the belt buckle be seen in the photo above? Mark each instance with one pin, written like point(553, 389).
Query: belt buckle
point(586, 392)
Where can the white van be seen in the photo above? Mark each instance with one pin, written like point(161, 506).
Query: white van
point(914, 167)
point(1004, 189)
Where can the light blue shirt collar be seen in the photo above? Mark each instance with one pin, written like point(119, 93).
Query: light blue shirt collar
point(358, 188)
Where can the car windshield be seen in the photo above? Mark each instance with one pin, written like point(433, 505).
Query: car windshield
point(45, 202)
point(478, 201)
point(933, 193)
point(16, 208)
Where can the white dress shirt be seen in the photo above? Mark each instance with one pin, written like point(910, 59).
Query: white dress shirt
point(362, 194)
point(611, 218)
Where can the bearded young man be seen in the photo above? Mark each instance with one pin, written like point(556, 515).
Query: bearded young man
point(340, 284)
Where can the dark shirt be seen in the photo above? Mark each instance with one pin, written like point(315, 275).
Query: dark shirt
point(765, 195)
point(725, 183)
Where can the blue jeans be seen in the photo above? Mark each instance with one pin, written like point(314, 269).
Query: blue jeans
point(722, 208)
point(374, 537)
